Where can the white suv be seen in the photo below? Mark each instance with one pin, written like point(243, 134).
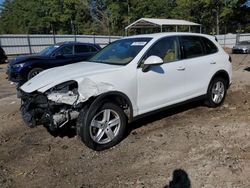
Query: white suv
point(130, 77)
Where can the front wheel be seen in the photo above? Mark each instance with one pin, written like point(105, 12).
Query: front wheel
point(216, 93)
point(34, 72)
point(102, 126)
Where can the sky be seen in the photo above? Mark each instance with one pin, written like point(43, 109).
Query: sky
point(248, 3)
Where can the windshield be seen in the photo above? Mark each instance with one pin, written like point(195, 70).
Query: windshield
point(121, 52)
point(49, 50)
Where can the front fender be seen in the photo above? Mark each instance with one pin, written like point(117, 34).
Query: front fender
point(112, 95)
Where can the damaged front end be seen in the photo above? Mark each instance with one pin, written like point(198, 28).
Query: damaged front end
point(54, 108)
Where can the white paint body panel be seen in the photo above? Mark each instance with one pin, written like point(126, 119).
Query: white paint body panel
point(163, 85)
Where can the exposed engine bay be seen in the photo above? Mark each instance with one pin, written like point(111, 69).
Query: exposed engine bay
point(53, 108)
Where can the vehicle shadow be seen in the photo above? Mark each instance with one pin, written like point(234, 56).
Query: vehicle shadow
point(161, 114)
point(68, 130)
point(180, 179)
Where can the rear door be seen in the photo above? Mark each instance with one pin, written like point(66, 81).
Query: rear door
point(84, 52)
point(198, 64)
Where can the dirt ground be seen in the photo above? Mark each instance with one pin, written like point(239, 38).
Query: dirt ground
point(211, 145)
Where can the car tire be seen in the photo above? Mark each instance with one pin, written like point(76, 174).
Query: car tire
point(216, 92)
point(81, 118)
point(102, 127)
point(34, 72)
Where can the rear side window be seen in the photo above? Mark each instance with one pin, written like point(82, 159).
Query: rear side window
point(210, 47)
point(81, 49)
point(84, 49)
point(92, 49)
point(192, 46)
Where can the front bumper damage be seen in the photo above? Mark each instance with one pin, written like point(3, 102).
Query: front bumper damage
point(59, 104)
point(37, 109)
point(14, 75)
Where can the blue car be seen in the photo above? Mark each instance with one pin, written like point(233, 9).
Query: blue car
point(24, 67)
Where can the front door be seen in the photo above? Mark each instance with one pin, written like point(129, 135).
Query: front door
point(164, 84)
point(63, 56)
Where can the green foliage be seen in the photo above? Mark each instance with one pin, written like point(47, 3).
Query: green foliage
point(112, 16)
point(45, 16)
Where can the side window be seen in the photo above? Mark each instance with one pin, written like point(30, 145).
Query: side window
point(92, 49)
point(192, 46)
point(81, 49)
point(209, 46)
point(65, 50)
point(167, 49)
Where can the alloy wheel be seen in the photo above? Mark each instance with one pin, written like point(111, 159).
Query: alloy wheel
point(105, 126)
point(218, 92)
point(34, 74)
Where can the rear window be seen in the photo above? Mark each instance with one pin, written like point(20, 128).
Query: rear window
point(210, 47)
point(192, 46)
point(81, 49)
point(84, 49)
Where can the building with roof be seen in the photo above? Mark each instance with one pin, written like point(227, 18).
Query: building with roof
point(145, 23)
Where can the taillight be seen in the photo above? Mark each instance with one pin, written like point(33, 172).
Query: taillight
point(230, 59)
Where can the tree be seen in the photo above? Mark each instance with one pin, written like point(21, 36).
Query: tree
point(112, 16)
point(45, 16)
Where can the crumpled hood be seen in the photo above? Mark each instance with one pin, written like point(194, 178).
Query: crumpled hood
point(58, 75)
point(25, 58)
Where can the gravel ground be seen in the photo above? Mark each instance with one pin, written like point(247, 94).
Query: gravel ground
point(211, 145)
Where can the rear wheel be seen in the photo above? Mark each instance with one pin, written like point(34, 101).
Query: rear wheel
point(216, 93)
point(34, 72)
point(102, 127)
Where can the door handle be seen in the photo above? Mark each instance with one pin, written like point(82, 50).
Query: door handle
point(181, 68)
point(212, 63)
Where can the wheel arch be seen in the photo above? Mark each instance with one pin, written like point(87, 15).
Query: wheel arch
point(223, 74)
point(31, 69)
point(118, 98)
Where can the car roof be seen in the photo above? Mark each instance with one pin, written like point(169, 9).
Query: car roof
point(74, 43)
point(165, 34)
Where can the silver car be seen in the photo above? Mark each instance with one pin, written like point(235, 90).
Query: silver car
point(242, 47)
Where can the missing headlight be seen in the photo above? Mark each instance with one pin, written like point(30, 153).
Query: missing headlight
point(66, 93)
point(65, 87)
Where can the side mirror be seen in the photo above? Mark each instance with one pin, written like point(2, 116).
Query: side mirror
point(151, 60)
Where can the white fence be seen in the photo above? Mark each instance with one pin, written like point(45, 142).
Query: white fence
point(28, 44)
point(229, 40)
